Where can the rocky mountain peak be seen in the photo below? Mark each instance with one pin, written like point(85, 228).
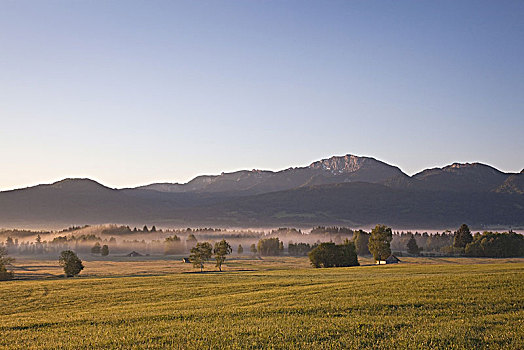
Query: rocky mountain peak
point(341, 164)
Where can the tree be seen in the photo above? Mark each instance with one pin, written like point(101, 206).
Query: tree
point(145, 229)
point(201, 253)
point(191, 240)
point(4, 262)
point(153, 229)
point(379, 242)
point(222, 249)
point(462, 237)
point(329, 254)
point(361, 240)
point(240, 250)
point(253, 248)
point(413, 246)
point(70, 262)
point(96, 248)
point(105, 250)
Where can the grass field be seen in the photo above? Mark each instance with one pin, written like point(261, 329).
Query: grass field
point(264, 304)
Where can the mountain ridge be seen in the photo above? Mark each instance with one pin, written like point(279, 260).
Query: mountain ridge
point(337, 190)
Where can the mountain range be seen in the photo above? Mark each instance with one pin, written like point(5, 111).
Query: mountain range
point(341, 190)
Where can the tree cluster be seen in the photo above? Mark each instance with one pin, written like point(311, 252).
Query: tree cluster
point(270, 246)
point(331, 230)
point(298, 249)
point(329, 254)
point(99, 249)
point(496, 245)
point(173, 245)
point(203, 251)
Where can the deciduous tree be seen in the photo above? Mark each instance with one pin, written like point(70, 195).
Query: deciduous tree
point(379, 242)
point(361, 239)
point(222, 249)
point(70, 262)
point(201, 253)
point(4, 262)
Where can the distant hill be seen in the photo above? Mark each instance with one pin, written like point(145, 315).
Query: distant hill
point(347, 190)
point(468, 177)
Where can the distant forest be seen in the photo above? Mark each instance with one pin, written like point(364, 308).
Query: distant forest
point(285, 240)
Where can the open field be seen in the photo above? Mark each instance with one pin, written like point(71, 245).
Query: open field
point(270, 303)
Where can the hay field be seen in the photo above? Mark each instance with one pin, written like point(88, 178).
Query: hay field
point(279, 303)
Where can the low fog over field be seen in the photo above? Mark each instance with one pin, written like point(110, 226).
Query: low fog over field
point(88, 241)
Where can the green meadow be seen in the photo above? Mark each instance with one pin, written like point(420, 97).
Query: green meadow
point(274, 304)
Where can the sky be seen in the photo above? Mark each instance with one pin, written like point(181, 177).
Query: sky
point(134, 92)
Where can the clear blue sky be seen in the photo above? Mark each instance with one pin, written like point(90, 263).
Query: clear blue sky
point(133, 92)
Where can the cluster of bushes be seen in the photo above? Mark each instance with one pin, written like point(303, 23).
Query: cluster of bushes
point(329, 254)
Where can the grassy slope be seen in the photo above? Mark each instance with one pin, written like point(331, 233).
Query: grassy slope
point(403, 306)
